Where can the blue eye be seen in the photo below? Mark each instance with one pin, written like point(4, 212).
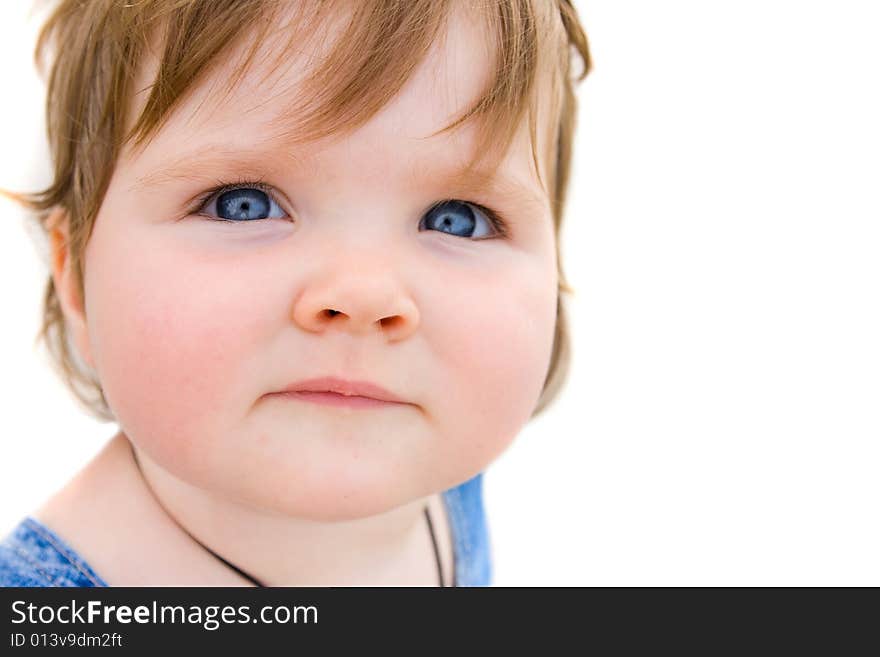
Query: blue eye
point(242, 202)
point(461, 219)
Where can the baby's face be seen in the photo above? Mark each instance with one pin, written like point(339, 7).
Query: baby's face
point(193, 323)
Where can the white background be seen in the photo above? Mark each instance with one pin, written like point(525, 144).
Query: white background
point(720, 426)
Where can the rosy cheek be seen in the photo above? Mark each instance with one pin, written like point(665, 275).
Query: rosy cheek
point(496, 356)
point(167, 351)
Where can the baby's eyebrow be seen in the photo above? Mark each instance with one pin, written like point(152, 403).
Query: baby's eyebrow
point(498, 183)
point(202, 164)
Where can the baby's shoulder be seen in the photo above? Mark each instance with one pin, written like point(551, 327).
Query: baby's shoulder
point(19, 565)
point(32, 555)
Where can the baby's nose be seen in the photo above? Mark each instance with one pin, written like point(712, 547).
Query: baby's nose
point(357, 305)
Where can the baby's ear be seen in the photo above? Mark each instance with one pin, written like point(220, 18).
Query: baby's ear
point(65, 282)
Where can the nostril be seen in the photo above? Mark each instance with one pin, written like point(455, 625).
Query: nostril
point(331, 313)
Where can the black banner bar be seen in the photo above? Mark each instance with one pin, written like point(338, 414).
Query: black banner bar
point(330, 619)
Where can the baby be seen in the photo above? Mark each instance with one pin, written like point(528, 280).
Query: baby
point(306, 256)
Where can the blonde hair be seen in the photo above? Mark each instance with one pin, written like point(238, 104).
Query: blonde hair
point(94, 48)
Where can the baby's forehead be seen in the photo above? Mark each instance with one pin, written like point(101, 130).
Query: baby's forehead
point(451, 77)
point(258, 91)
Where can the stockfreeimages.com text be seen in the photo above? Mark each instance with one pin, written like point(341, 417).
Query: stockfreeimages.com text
point(210, 616)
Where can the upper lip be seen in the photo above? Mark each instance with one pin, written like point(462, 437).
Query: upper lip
point(344, 387)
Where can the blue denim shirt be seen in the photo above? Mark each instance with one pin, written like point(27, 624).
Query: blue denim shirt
point(33, 555)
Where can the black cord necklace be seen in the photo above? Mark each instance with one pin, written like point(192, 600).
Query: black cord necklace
point(254, 580)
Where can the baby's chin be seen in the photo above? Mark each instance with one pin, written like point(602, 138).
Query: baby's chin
point(331, 508)
point(325, 505)
point(333, 491)
point(317, 472)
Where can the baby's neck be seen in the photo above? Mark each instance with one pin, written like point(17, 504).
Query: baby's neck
point(138, 529)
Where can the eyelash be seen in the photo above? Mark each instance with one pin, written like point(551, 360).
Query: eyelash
point(496, 219)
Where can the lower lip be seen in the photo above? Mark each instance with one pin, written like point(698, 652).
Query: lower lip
point(335, 399)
